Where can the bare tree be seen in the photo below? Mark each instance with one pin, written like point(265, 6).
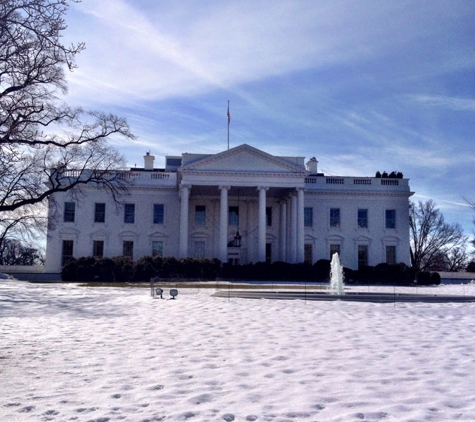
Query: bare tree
point(45, 145)
point(457, 258)
point(431, 236)
point(14, 252)
point(452, 260)
point(25, 225)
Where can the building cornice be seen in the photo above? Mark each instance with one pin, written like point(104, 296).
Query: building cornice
point(404, 194)
point(247, 174)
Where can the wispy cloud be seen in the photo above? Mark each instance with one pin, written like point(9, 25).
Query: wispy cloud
point(450, 103)
point(185, 48)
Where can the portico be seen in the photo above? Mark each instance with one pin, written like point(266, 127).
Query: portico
point(268, 192)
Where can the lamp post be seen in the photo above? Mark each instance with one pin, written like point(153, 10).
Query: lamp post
point(237, 239)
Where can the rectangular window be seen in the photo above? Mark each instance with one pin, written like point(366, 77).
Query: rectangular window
point(67, 251)
point(335, 248)
point(199, 251)
point(69, 212)
point(157, 248)
point(128, 248)
point(99, 213)
point(390, 219)
point(129, 213)
point(158, 214)
point(98, 248)
point(269, 216)
point(200, 215)
point(268, 253)
point(233, 216)
point(362, 256)
point(363, 218)
point(308, 253)
point(308, 216)
point(390, 254)
point(335, 217)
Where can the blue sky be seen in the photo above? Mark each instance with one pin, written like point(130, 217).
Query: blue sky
point(361, 85)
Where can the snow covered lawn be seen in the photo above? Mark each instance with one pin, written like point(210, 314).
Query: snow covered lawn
point(73, 353)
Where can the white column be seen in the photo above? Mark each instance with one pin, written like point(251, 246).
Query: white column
point(288, 230)
point(185, 196)
point(300, 225)
point(293, 229)
point(223, 224)
point(283, 231)
point(261, 237)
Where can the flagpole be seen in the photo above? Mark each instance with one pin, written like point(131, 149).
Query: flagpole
point(229, 121)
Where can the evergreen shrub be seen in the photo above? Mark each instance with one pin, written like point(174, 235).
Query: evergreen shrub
point(435, 278)
point(423, 278)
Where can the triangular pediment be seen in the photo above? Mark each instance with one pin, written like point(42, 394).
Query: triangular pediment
point(243, 158)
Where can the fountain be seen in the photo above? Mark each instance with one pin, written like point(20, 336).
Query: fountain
point(336, 276)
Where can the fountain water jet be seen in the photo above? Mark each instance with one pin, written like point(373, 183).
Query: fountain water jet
point(336, 276)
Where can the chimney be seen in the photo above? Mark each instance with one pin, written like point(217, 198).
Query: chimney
point(312, 165)
point(148, 161)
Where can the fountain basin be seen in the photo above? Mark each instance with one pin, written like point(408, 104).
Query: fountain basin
point(347, 297)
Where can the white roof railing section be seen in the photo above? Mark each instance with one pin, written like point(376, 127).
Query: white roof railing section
point(355, 183)
point(138, 178)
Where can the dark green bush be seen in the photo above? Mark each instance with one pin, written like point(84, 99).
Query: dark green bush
point(321, 270)
point(123, 268)
point(435, 278)
point(69, 271)
point(144, 269)
point(105, 269)
point(423, 278)
point(387, 274)
point(210, 268)
point(87, 269)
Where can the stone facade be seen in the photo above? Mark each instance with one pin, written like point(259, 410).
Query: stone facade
point(241, 205)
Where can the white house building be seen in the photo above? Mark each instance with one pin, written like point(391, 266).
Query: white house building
point(242, 205)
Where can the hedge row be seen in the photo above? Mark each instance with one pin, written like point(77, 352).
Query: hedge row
point(124, 269)
point(391, 274)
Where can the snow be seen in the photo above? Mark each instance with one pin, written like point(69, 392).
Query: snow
point(76, 353)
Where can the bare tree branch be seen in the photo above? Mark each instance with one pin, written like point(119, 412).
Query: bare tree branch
point(431, 236)
point(45, 145)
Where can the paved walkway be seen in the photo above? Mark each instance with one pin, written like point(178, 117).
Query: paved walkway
point(351, 297)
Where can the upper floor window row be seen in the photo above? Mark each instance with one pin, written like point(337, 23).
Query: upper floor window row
point(158, 213)
point(69, 215)
point(362, 218)
point(129, 213)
